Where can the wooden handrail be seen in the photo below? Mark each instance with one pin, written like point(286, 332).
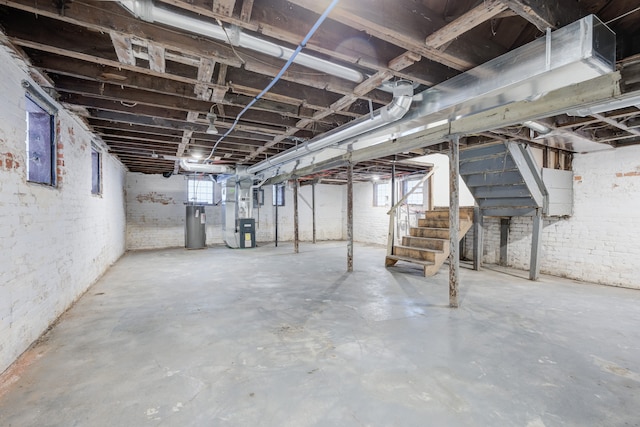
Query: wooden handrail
point(424, 178)
point(392, 211)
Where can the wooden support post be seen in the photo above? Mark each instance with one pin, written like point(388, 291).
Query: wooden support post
point(313, 209)
point(454, 220)
point(296, 236)
point(505, 224)
point(478, 235)
point(350, 217)
point(536, 246)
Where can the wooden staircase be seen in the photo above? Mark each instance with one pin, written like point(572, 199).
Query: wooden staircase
point(428, 243)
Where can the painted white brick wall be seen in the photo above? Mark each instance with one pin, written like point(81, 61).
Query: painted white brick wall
point(601, 241)
point(370, 223)
point(54, 242)
point(156, 213)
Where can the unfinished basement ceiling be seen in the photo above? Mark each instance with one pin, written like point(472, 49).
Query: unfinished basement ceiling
point(146, 88)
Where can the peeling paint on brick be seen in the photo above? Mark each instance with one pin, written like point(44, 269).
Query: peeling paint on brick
point(154, 197)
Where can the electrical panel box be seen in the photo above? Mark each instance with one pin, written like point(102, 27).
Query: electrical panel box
point(559, 185)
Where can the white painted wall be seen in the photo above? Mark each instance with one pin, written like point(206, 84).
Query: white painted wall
point(156, 213)
point(600, 242)
point(54, 242)
point(441, 182)
point(370, 223)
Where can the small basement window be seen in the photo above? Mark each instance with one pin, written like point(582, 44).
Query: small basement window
point(416, 198)
point(96, 171)
point(278, 195)
point(41, 152)
point(200, 190)
point(381, 194)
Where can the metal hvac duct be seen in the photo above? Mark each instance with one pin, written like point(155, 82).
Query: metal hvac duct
point(147, 11)
point(575, 53)
point(188, 166)
point(395, 110)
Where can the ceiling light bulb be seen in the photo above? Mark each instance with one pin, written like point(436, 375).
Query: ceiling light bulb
point(212, 130)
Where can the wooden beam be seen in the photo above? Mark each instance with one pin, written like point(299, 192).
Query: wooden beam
point(123, 47)
point(224, 7)
point(156, 57)
point(485, 11)
point(245, 13)
point(403, 61)
point(407, 25)
point(454, 220)
point(113, 70)
point(547, 13)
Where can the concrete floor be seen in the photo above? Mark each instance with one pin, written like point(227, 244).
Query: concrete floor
point(263, 337)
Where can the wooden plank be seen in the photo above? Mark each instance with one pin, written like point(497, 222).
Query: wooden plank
point(224, 7)
point(123, 47)
point(156, 57)
point(245, 12)
point(405, 60)
point(102, 65)
point(407, 25)
point(547, 13)
point(485, 11)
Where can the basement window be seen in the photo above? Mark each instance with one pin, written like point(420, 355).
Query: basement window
point(96, 172)
point(200, 190)
point(41, 140)
point(278, 195)
point(258, 197)
point(381, 193)
point(416, 198)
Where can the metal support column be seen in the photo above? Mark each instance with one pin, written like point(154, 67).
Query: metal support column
point(505, 224)
point(478, 236)
point(276, 189)
point(313, 209)
point(454, 220)
point(536, 246)
point(393, 182)
point(296, 236)
point(350, 217)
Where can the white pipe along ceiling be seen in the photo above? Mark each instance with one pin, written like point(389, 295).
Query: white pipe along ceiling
point(147, 11)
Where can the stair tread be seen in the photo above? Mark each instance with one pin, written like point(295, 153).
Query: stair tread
point(427, 238)
point(419, 248)
point(409, 259)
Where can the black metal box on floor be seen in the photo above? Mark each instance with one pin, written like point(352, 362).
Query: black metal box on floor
point(247, 231)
